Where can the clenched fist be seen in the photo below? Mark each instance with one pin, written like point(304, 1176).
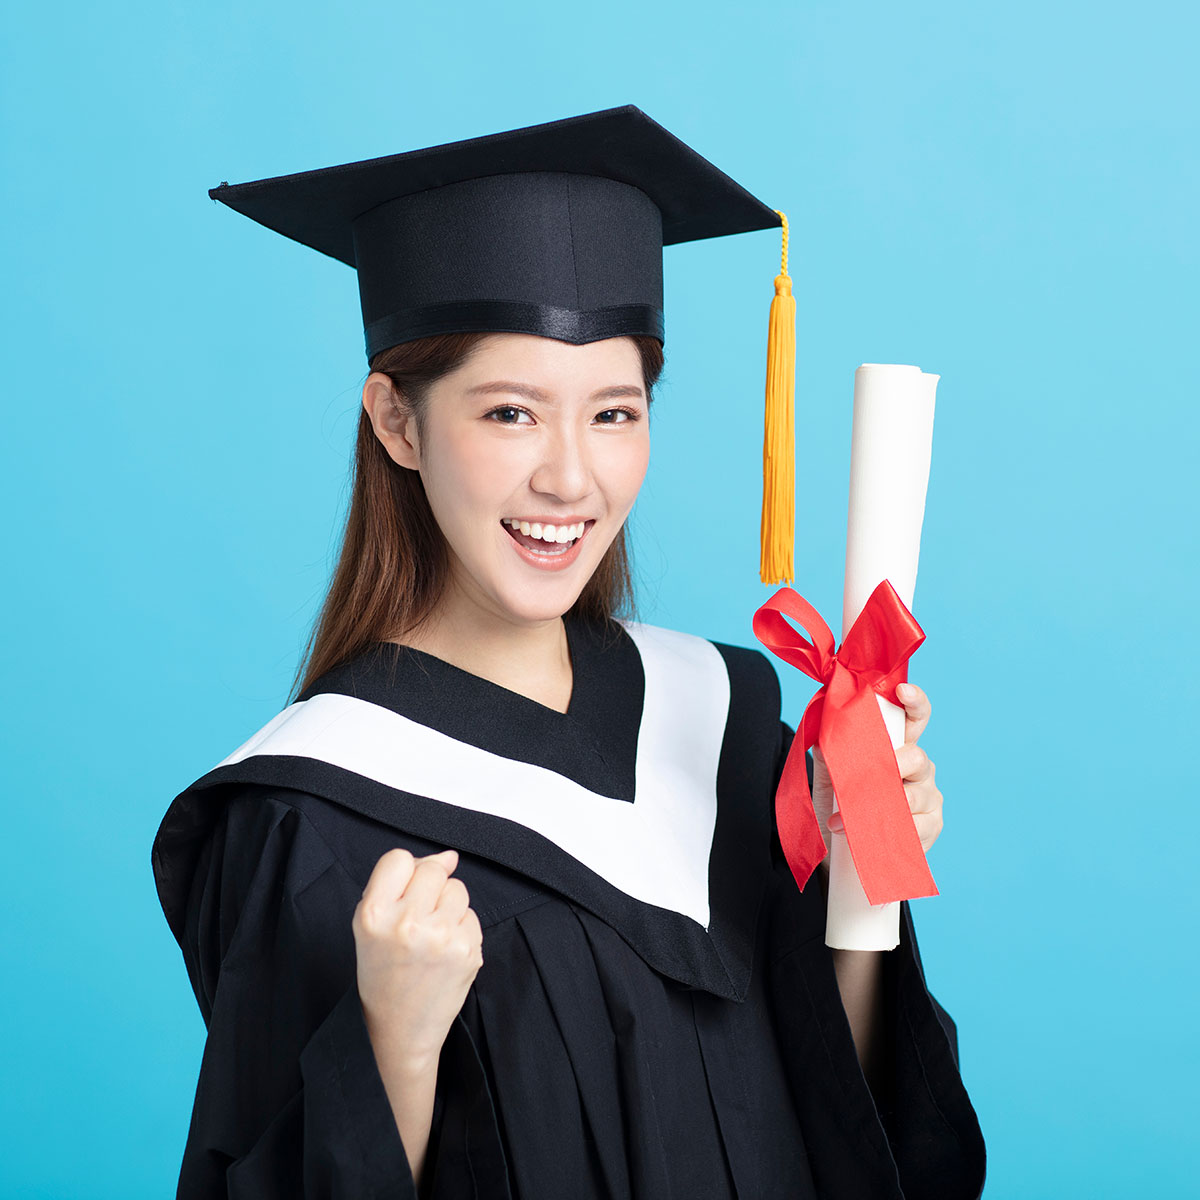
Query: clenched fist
point(419, 946)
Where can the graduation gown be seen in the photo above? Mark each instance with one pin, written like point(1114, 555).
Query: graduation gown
point(657, 1014)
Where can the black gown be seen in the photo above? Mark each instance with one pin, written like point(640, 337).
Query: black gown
point(657, 1014)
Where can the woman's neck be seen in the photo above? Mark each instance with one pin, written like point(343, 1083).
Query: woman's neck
point(532, 660)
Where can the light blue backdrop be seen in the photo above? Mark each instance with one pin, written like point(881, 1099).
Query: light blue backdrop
point(1004, 195)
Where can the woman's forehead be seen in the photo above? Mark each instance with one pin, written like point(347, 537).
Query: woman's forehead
point(547, 365)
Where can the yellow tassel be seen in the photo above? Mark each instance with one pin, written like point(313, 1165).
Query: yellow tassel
point(777, 532)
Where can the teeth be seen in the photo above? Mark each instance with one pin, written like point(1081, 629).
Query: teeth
point(557, 534)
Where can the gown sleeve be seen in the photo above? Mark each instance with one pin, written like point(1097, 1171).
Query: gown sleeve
point(918, 1138)
point(290, 1102)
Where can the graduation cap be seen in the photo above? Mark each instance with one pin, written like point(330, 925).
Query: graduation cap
point(554, 229)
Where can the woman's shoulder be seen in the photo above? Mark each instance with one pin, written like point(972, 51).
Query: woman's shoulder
point(224, 834)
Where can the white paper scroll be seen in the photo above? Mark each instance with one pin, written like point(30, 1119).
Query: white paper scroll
point(890, 448)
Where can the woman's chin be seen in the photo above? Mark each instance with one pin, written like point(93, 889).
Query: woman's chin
point(544, 597)
point(534, 605)
point(530, 593)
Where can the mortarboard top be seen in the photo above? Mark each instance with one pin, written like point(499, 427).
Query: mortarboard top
point(554, 229)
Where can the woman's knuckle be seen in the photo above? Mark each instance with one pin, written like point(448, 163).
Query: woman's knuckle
point(434, 867)
point(397, 856)
point(410, 930)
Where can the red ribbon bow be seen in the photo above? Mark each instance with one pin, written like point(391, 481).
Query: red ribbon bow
point(844, 719)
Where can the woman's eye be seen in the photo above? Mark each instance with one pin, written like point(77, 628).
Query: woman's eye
point(509, 414)
point(616, 416)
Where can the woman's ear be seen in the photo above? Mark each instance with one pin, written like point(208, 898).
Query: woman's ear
point(394, 425)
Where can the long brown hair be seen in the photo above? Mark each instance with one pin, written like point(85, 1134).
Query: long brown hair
point(393, 564)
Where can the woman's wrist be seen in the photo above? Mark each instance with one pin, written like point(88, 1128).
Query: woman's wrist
point(410, 1080)
point(396, 1053)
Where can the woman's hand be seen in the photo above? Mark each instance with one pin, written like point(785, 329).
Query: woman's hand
point(419, 947)
point(916, 769)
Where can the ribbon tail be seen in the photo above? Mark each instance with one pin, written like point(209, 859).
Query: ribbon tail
point(883, 840)
point(795, 818)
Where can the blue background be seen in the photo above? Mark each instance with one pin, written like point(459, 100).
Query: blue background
point(1003, 195)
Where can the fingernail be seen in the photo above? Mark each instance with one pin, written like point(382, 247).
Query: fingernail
point(906, 690)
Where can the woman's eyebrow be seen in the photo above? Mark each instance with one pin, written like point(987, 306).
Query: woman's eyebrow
point(535, 393)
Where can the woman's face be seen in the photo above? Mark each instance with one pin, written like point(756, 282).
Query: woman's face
point(532, 454)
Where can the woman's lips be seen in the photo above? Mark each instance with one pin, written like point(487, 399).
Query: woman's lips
point(547, 556)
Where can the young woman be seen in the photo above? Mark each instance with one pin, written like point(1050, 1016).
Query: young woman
point(497, 908)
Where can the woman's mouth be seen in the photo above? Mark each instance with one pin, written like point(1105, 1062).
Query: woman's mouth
point(546, 545)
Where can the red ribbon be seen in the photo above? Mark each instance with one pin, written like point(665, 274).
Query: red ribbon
point(844, 719)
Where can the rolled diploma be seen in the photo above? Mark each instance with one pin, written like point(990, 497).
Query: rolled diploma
point(890, 448)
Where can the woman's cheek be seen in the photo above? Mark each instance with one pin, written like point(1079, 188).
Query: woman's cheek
point(474, 469)
point(627, 468)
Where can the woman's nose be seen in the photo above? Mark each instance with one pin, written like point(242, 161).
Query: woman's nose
point(564, 471)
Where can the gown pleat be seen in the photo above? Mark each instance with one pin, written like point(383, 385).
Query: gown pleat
point(562, 957)
point(751, 1094)
point(531, 1069)
point(656, 1070)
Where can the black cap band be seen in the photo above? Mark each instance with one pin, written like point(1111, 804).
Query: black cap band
point(504, 316)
